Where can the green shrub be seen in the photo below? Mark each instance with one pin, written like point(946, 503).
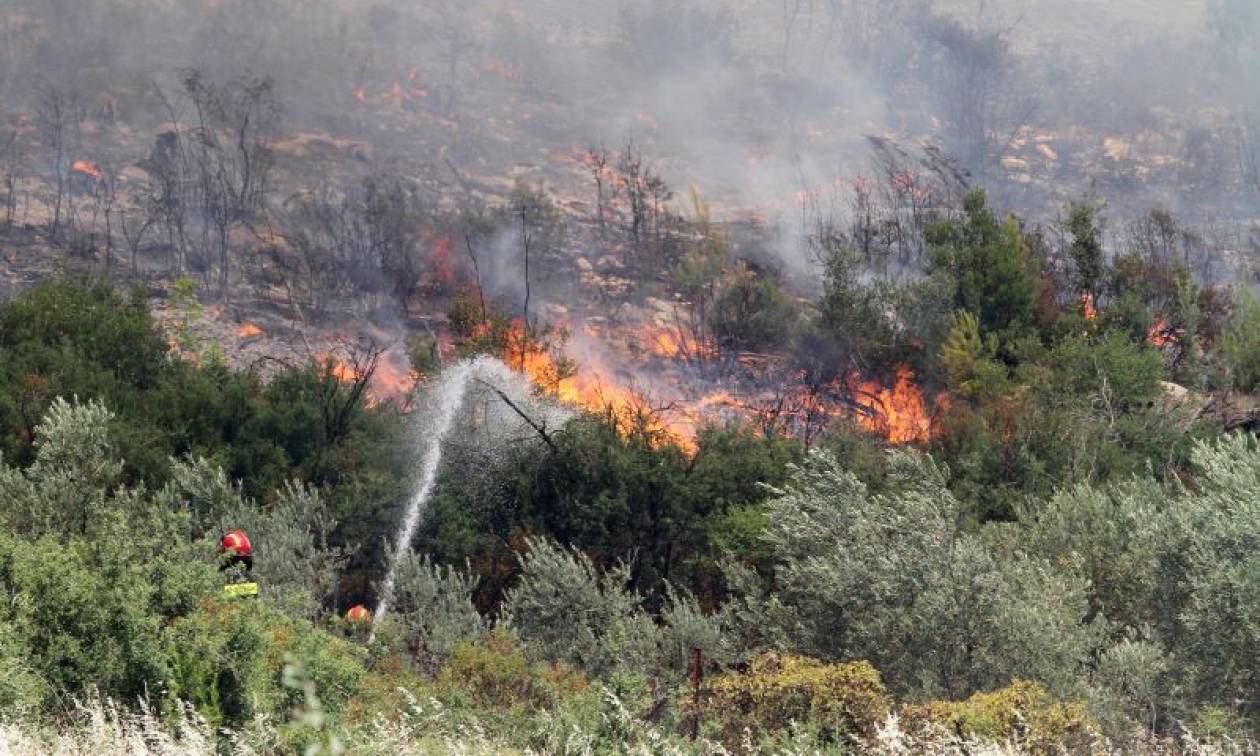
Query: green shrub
point(1240, 345)
point(566, 610)
point(493, 673)
point(842, 700)
point(229, 660)
point(1023, 712)
point(751, 313)
point(89, 614)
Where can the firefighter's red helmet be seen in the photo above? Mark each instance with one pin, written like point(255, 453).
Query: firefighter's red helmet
point(359, 614)
point(236, 543)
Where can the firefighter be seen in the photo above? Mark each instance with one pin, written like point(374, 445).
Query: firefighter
point(236, 554)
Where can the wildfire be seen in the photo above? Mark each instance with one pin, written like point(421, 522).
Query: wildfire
point(397, 95)
point(1162, 333)
point(249, 331)
point(899, 413)
point(443, 272)
point(590, 388)
point(87, 168)
point(392, 379)
point(1087, 304)
point(338, 369)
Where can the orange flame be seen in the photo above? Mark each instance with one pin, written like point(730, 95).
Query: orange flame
point(646, 119)
point(1087, 304)
point(899, 414)
point(440, 256)
point(87, 168)
point(338, 369)
point(249, 331)
point(591, 389)
point(391, 379)
point(504, 70)
point(673, 344)
point(1162, 333)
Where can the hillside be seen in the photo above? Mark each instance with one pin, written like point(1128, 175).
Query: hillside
point(490, 376)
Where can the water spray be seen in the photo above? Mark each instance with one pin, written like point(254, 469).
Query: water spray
point(448, 397)
point(449, 394)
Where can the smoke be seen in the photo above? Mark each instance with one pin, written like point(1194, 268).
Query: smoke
point(757, 104)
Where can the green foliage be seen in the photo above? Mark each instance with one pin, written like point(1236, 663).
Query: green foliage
point(22, 690)
point(1086, 249)
point(612, 493)
point(892, 579)
point(992, 270)
point(92, 613)
point(1240, 345)
point(466, 314)
point(751, 313)
point(68, 486)
point(1090, 408)
point(295, 562)
point(970, 360)
point(1130, 687)
point(231, 659)
point(493, 672)
point(840, 700)
point(564, 609)
point(1023, 713)
point(433, 604)
point(853, 324)
point(1219, 526)
point(65, 339)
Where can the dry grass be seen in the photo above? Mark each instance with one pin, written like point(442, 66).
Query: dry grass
point(104, 729)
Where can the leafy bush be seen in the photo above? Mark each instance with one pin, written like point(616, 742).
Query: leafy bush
point(229, 661)
point(565, 610)
point(892, 578)
point(751, 313)
point(433, 605)
point(1023, 713)
point(842, 700)
point(494, 673)
point(1240, 344)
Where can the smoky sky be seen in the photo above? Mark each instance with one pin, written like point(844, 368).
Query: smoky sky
point(754, 102)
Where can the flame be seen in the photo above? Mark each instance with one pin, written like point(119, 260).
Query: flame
point(338, 369)
point(440, 257)
point(87, 168)
point(672, 344)
point(665, 344)
point(899, 413)
point(397, 95)
point(1162, 333)
point(249, 331)
point(391, 380)
point(1087, 304)
point(591, 388)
